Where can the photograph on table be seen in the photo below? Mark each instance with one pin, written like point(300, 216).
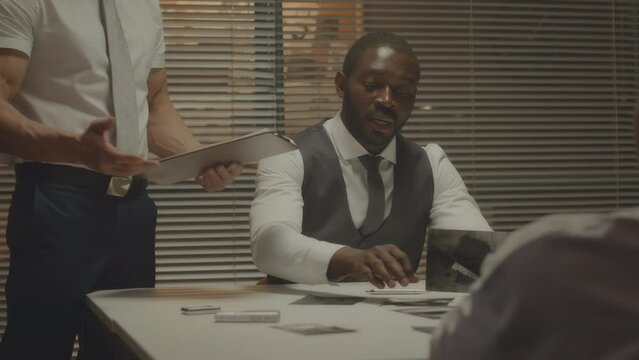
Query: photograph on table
point(454, 257)
point(327, 300)
point(313, 329)
point(428, 312)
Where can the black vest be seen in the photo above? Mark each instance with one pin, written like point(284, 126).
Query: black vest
point(327, 214)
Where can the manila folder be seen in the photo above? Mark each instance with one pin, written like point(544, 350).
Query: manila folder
point(246, 149)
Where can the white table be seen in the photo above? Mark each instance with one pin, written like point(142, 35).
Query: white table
point(149, 323)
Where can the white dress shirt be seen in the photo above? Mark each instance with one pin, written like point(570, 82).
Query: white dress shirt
point(66, 84)
point(277, 244)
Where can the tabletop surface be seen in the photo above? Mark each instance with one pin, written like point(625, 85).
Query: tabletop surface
point(150, 322)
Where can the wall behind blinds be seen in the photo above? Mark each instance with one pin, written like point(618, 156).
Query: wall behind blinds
point(531, 100)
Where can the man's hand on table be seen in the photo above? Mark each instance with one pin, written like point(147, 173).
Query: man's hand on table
point(382, 265)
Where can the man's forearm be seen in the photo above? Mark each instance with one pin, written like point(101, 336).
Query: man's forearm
point(282, 251)
point(168, 135)
point(340, 265)
point(28, 139)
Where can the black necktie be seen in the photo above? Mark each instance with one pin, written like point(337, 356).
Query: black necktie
point(375, 212)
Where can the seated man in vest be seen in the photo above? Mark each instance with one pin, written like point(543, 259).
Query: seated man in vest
point(356, 198)
point(564, 287)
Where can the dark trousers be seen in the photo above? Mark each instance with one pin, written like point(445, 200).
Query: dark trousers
point(66, 241)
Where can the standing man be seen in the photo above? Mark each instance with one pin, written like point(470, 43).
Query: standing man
point(356, 198)
point(83, 98)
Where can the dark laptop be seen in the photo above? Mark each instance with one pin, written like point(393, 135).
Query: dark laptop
point(454, 257)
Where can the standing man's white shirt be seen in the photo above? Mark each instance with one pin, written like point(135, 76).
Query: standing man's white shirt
point(277, 244)
point(64, 85)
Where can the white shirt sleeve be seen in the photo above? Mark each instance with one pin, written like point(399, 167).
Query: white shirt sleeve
point(18, 24)
point(160, 48)
point(453, 207)
point(277, 245)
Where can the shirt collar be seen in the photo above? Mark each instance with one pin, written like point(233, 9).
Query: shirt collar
point(348, 147)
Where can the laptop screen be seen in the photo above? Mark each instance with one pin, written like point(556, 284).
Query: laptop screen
point(454, 257)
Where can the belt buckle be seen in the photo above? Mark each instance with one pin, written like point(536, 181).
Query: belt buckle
point(119, 186)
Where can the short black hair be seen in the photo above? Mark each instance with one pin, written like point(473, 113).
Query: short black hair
point(375, 40)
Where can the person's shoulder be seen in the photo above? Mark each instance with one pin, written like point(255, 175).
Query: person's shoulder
point(310, 134)
point(549, 273)
point(586, 225)
point(552, 230)
point(434, 151)
point(554, 258)
point(432, 147)
point(436, 156)
point(20, 11)
point(290, 160)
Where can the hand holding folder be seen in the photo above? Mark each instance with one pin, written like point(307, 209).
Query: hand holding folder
point(246, 149)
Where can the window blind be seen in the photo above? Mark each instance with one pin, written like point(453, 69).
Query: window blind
point(221, 61)
point(6, 187)
point(532, 100)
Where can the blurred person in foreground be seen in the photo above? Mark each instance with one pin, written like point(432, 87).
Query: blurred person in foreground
point(563, 287)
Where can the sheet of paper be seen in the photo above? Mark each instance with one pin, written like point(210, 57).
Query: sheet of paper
point(246, 149)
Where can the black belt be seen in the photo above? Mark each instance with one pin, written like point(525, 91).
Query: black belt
point(83, 178)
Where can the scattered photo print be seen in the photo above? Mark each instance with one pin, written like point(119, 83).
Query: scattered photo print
point(313, 329)
point(425, 329)
point(454, 257)
point(428, 312)
point(420, 302)
point(327, 300)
